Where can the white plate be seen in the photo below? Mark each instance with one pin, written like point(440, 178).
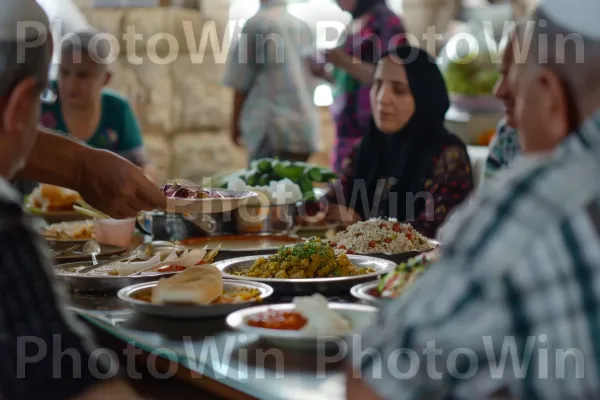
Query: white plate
point(191, 311)
point(210, 205)
point(358, 315)
point(362, 292)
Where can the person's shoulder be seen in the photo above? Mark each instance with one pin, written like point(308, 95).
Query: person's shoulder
point(453, 147)
point(115, 100)
point(261, 21)
point(383, 14)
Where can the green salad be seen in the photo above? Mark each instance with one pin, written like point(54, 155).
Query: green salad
point(267, 170)
point(396, 281)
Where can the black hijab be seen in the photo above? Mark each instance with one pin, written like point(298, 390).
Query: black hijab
point(363, 6)
point(407, 155)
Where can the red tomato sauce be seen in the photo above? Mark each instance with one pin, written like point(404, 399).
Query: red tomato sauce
point(283, 320)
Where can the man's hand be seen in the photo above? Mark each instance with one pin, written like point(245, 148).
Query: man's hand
point(117, 187)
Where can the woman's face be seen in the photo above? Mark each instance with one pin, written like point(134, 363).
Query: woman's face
point(81, 80)
point(347, 5)
point(392, 101)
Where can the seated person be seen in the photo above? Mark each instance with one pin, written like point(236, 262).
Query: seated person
point(505, 146)
point(85, 109)
point(32, 308)
point(408, 166)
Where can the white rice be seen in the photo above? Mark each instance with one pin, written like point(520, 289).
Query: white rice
point(379, 235)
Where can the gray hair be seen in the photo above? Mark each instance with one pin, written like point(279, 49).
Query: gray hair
point(24, 59)
point(574, 57)
point(90, 42)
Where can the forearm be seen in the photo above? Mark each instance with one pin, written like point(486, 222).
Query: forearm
point(55, 160)
point(238, 102)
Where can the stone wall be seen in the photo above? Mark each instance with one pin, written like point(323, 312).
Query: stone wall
point(184, 110)
point(176, 91)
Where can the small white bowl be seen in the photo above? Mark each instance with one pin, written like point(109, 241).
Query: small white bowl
point(114, 232)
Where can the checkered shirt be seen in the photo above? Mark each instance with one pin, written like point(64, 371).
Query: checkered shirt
point(504, 149)
point(520, 275)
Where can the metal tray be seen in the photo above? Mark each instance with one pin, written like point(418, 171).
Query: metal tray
point(309, 285)
point(100, 283)
point(252, 243)
point(192, 311)
point(399, 258)
point(61, 255)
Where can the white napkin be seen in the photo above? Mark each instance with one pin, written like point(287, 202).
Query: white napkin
point(321, 319)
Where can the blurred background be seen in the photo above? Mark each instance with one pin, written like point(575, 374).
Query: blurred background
point(185, 111)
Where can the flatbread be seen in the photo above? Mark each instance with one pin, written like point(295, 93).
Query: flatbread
point(200, 285)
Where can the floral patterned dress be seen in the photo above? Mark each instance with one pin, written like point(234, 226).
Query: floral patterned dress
point(448, 183)
point(351, 109)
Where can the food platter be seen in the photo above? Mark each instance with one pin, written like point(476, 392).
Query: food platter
point(362, 291)
point(192, 311)
point(242, 243)
point(359, 316)
point(309, 285)
point(79, 231)
point(399, 258)
point(220, 201)
point(98, 281)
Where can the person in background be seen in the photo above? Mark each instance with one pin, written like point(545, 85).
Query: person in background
point(273, 107)
point(88, 111)
point(520, 272)
point(505, 146)
point(408, 165)
point(375, 30)
point(31, 308)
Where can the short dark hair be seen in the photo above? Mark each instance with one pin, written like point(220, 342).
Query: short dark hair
point(88, 42)
point(21, 59)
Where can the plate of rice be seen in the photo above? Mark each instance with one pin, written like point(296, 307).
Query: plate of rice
point(386, 238)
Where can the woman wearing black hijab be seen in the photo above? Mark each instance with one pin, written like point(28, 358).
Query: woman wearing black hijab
point(374, 30)
point(408, 166)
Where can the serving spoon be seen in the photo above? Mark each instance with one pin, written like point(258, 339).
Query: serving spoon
point(91, 248)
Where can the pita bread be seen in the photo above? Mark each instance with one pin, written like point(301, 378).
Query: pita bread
point(200, 285)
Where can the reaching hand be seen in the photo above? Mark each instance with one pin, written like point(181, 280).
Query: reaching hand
point(117, 187)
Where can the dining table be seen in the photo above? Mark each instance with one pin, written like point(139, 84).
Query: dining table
point(207, 355)
point(204, 358)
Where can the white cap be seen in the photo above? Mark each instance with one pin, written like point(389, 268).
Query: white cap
point(577, 16)
point(20, 17)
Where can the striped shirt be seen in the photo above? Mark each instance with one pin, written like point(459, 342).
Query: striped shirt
point(268, 63)
point(520, 275)
point(504, 149)
point(39, 338)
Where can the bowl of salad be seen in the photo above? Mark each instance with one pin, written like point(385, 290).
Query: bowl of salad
point(395, 282)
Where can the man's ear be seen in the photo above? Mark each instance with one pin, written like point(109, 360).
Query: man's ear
point(19, 106)
point(557, 105)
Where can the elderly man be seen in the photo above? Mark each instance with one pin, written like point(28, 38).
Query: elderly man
point(513, 307)
point(32, 316)
point(505, 146)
